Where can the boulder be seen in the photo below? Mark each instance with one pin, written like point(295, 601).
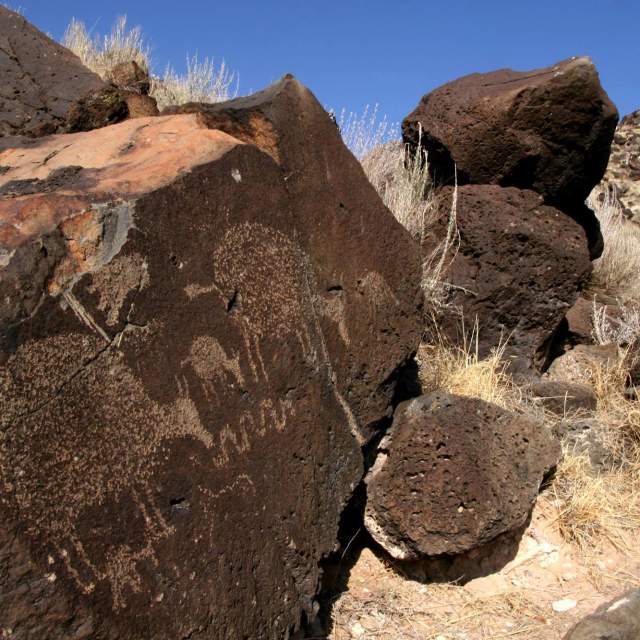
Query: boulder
point(563, 398)
point(453, 474)
point(582, 436)
point(515, 268)
point(188, 353)
point(582, 363)
point(130, 77)
point(549, 130)
point(616, 620)
point(41, 80)
point(334, 201)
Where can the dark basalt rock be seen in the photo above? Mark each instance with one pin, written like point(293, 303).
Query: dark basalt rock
point(41, 80)
point(548, 130)
point(334, 200)
point(515, 268)
point(197, 333)
point(453, 474)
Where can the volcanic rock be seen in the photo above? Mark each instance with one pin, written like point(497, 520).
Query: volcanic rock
point(616, 620)
point(515, 268)
point(623, 171)
point(549, 130)
point(130, 77)
point(561, 397)
point(41, 80)
point(334, 202)
point(188, 353)
point(581, 363)
point(454, 473)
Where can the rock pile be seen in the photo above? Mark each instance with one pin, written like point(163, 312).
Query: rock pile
point(623, 171)
point(200, 325)
point(547, 134)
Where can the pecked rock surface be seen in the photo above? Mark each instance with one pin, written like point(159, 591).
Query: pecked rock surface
point(516, 268)
point(336, 206)
point(41, 80)
point(453, 473)
point(184, 370)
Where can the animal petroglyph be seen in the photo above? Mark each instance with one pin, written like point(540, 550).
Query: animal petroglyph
point(112, 456)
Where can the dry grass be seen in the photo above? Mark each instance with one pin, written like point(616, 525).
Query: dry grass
point(202, 82)
point(102, 53)
point(366, 131)
point(617, 271)
point(458, 369)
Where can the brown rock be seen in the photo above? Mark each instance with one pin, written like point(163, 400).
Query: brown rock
point(41, 80)
point(453, 474)
point(549, 130)
point(562, 398)
point(581, 363)
point(97, 109)
point(129, 76)
point(517, 269)
point(615, 620)
point(179, 427)
point(139, 106)
point(330, 205)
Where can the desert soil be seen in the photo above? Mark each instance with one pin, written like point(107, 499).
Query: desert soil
point(547, 587)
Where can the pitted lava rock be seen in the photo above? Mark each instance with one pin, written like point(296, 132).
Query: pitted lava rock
point(454, 473)
point(515, 268)
point(548, 130)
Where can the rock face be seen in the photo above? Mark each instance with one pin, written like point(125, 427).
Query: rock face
point(617, 620)
point(517, 270)
point(454, 473)
point(581, 363)
point(623, 171)
point(548, 130)
point(562, 397)
point(197, 331)
point(41, 80)
point(334, 201)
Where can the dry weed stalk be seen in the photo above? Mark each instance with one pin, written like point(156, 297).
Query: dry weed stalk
point(364, 132)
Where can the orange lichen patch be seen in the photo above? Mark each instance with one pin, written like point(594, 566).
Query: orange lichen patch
point(118, 162)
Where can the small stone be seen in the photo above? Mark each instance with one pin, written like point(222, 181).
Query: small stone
point(560, 606)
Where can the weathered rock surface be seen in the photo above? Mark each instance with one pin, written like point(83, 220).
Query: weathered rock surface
point(334, 201)
point(41, 80)
point(616, 620)
point(452, 474)
point(549, 130)
point(582, 363)
point(562, 397)
point(517, 268)
point(623, 170)
point(130, 77)
point(190, 354)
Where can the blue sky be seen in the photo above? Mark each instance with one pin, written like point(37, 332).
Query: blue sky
point(359, 52)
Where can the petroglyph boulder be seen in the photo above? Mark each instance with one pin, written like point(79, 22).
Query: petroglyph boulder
point(184, 346)
point(453, 474)
point(365, 267)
